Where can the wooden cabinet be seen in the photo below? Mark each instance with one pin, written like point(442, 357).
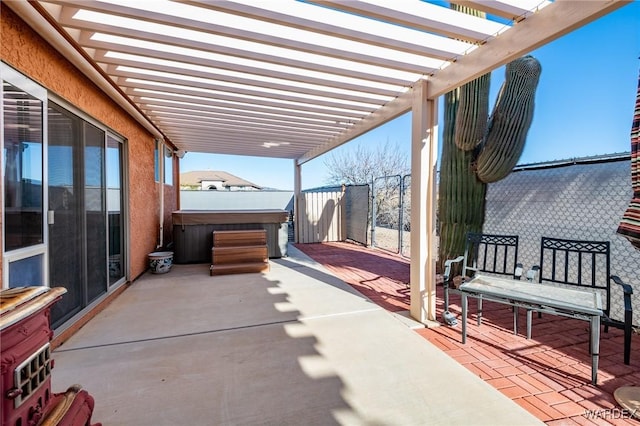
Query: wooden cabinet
point(239, 251)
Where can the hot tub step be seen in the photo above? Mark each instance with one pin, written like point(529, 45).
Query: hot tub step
point(235, 238)
point(241, 251)
point(238, 268)
point(231, 255)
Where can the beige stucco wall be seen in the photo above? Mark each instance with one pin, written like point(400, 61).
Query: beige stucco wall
point(26, 51)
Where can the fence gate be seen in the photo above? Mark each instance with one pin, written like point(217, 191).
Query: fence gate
point(386, 213)
point(405, 210)
point(391, 213)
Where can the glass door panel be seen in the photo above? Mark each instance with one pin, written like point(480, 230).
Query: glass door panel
point(114, 210)
point(22, 161)
point(23, 120)
point(95, 211)
point(66, 251)
point(27, 272)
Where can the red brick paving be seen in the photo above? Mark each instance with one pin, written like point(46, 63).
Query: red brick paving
point(549, 375)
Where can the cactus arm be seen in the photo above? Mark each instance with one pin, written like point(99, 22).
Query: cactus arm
point(473, 108)
point(510, 121)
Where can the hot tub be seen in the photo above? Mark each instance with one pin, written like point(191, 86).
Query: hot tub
point(193, 231)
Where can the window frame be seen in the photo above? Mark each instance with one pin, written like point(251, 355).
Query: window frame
point(21, 81)
point(167, 175)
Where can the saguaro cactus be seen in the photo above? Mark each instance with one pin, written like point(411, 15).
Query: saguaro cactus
point(478, 149)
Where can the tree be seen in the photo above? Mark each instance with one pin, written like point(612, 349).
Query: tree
point(366, 164)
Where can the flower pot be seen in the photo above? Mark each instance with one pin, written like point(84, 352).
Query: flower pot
point(160, 262)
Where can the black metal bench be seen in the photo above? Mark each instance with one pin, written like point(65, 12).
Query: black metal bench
point(486, 253)
point(584, 264)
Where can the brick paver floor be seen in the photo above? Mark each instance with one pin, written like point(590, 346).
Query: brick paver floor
point(549, 375)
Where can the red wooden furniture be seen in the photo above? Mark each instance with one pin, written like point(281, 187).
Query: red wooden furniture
point(26, 364)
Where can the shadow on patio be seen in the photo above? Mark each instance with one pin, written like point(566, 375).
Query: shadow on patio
point(292, 346)
point(548, 375)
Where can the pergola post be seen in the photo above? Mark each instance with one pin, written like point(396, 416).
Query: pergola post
point(424, 152)
point(297, 183)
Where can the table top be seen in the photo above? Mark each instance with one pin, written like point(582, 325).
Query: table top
point(584, 301)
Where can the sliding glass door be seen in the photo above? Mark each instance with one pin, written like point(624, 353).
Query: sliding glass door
point(77, 211)
point(64, 204)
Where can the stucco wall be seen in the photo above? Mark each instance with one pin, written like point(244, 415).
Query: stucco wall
point(26, 51)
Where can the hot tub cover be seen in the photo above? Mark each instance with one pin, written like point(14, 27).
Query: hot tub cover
point(205, 217)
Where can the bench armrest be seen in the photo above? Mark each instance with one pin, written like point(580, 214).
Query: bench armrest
point(627, 292)
point(627, 324)
point(626, 288)
point(447, 268)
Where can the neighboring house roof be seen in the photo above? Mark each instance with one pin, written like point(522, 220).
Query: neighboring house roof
point(196, 178)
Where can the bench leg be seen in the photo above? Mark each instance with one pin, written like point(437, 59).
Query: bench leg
point(627, 336)
point(480, 310)
point(529, 318)
point(595, 347)
point(464, 303)
point(515, 320)
point(446, 296)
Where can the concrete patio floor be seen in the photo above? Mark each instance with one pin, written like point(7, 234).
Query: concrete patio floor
point(548, 375)
point(293, 346)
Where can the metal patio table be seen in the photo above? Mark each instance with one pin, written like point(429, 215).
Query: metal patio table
point(580, 304)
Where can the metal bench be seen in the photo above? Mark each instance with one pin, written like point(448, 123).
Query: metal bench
point(583, 264)
point(486, 253)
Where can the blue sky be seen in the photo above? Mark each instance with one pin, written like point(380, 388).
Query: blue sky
point(584, 106)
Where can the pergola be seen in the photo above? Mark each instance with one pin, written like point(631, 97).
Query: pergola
point(295, 79)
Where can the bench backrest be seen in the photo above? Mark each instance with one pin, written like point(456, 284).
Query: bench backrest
point(577, 263)
point(493, 254)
